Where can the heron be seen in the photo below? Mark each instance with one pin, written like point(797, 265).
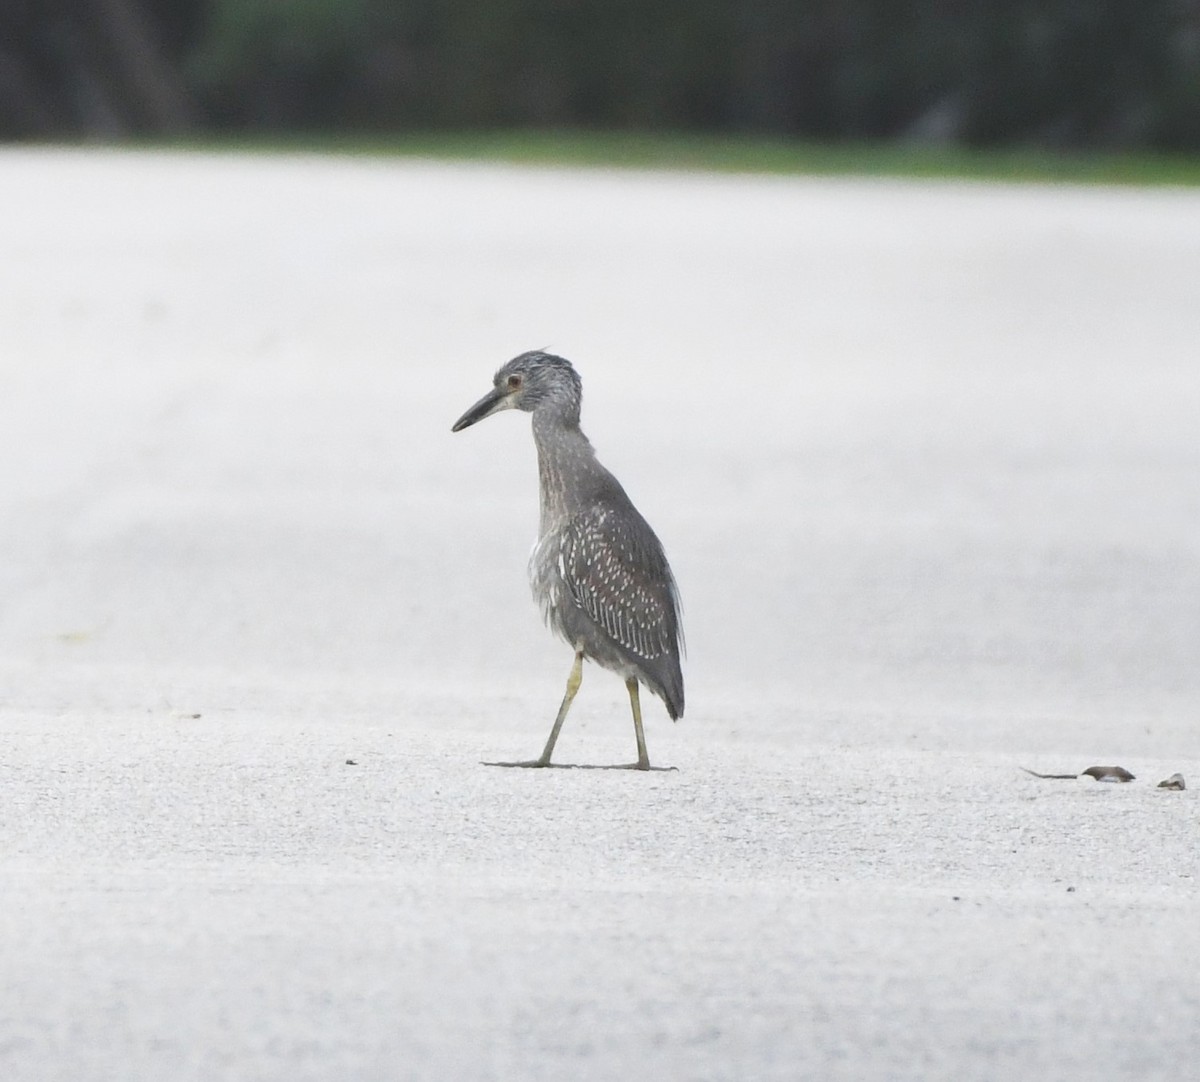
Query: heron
point(598, 571)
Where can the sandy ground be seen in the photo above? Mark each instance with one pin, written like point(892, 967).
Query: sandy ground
point(925, 460)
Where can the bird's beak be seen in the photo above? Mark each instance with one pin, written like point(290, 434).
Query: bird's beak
point(492, 402)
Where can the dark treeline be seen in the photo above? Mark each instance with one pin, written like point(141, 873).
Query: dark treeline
point(1095, 73)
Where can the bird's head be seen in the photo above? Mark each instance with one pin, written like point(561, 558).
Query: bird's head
point(532, 381)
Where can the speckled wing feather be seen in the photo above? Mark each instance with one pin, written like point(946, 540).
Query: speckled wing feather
point(618, 574)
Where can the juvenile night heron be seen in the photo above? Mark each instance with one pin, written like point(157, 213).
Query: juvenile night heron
point(597, 569)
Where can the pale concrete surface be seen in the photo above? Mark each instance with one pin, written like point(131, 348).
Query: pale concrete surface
point(925, 459)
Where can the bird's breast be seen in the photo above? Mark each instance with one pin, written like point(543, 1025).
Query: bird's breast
point(546, 573)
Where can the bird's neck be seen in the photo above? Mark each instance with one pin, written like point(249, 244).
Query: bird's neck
point(566, 462)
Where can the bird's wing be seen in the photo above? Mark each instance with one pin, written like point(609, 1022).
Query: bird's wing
point(615, 570)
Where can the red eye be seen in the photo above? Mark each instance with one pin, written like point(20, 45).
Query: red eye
point(514, 382)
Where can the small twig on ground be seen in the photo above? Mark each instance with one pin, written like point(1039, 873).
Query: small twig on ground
point(1100, 773)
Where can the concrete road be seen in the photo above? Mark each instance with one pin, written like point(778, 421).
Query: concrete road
point(925, 459)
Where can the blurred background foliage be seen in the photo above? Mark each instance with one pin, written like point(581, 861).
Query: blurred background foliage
point(1047, 73)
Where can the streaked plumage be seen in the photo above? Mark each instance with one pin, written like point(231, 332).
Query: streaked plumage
point(597, 570)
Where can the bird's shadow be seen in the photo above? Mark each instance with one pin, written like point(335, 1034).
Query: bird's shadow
point(534, 765)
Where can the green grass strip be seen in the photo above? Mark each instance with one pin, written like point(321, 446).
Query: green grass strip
point(740, 154)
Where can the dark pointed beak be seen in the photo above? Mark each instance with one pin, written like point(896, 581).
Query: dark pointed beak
point(491, 402)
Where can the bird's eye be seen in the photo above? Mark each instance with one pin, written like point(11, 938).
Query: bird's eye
point(514, 382)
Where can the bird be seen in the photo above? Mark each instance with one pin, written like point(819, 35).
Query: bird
point(597, 570)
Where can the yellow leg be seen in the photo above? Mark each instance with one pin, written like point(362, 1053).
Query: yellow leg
point(573, 682)
point(643, 762)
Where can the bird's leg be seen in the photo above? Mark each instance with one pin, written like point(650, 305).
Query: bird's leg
point(573, 682)
point(643, 762)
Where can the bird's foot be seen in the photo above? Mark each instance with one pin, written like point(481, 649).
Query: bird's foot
point(532, 763)
point(527, 763)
